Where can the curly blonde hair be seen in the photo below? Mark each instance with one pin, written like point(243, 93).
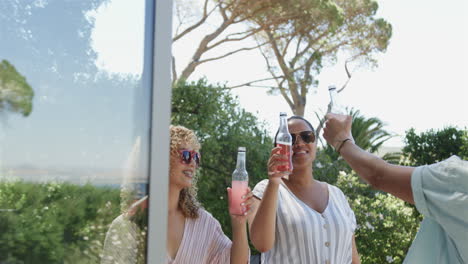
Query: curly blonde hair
point(188, 202)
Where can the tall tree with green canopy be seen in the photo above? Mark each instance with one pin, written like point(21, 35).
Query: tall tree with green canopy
point(320, 30)
point(15, 93)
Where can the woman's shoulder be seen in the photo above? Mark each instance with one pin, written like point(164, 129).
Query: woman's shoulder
point(336, 191)
point(261, 183)
point(207, 217)
point(260, 188)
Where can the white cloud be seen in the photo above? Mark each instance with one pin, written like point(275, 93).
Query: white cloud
point(117, 36)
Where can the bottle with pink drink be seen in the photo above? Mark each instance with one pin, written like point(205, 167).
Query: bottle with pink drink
point(240, 182)
point(284, 140)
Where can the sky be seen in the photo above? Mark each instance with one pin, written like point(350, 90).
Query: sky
point(420, 80)
point(86, 120)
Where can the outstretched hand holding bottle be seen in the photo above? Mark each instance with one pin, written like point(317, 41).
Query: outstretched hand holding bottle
point(280, 162)
point(337, 130)
point(240, 200)
point(277, 164)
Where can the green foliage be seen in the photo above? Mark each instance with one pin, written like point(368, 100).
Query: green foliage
point(435, 145)
point(15, 93)
point(386, 224)
point(54, 222)
point(222, 126)
point(328, 164)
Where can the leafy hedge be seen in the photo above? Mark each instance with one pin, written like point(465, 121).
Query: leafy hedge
point(54, 222)
point(386, 224)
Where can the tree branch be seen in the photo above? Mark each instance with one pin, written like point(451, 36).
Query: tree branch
point(174, 72)
point(319, 127)
point(270, 68)
point(297, 51)
point(349, 77)
point(285, 96)
point(188, 70)
point(230, 53)
point(285, 49)
point(251, 82)
point(292, 86)
point(259, 86)
point(227, 39)
point(277, 78)
point(310, 42)
point(202, 20)
point(307, 77)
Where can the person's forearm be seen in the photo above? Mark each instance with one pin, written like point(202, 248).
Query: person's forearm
point(364, 163)
point(378, 173)
point(355, 258)
point(240, 244)
point(262, 231)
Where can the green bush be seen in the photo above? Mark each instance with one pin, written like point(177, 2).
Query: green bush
point(386, 224)
point(435, 145)
point(54, 222)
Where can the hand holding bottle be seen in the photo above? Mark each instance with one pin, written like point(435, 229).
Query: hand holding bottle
point(245, 203)
point(276, 164)
point(240, 184)
point(337, 129)
point(283, 147)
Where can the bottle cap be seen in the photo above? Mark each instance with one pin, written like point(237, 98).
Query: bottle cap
point(331, 87)
point(283, 114)
point(241, 149)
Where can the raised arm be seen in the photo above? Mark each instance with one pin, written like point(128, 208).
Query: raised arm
point(375, 171)
point(355, 257)
point(262, 222)
point(240, 251)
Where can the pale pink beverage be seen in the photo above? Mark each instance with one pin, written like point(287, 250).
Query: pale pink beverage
point(285, 150)
point(239, 189)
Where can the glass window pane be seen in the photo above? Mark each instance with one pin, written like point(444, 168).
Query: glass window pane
point(74, 131)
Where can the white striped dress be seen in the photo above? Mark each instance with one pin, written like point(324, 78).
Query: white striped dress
point(304, 236)
point(203, 242)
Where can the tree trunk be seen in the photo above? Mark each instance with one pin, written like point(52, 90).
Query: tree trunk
point(299, 109)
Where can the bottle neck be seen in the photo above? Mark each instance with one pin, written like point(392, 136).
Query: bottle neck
point(240, 160)
point(283, 128)
point(333, 96)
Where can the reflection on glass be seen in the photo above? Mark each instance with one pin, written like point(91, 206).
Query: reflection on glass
point(74, 124)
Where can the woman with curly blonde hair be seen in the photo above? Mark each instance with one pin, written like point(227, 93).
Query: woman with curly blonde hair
point(193, 234)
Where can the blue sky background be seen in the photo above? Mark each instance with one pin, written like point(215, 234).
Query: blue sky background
point(84, 119)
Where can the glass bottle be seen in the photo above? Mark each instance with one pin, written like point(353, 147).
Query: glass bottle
point(335, 106)
point(240, 184)
point(284, 140)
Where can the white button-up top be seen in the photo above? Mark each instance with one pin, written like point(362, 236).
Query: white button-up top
point(304, 235)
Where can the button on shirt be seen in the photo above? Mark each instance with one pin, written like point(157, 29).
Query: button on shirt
point(440, 193)
point(304, 235)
